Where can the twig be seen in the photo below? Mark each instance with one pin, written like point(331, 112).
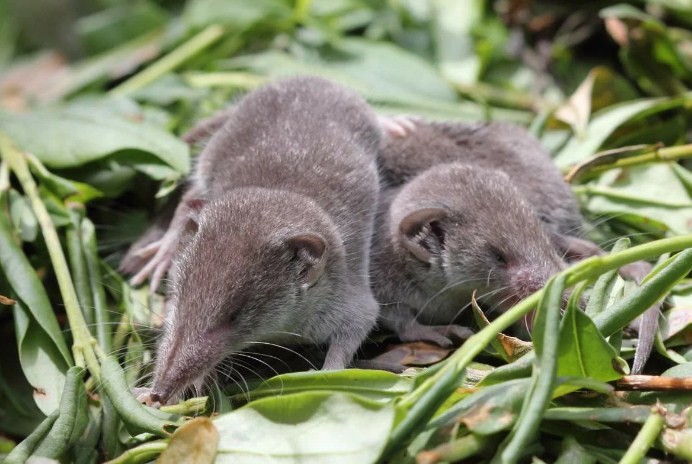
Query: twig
point(654, 383)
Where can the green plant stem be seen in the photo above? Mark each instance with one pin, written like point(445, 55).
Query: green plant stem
point(646, 437)
point(544, 373)
point(615, 317)
point(81, 347)
point(240, 80)
point(604, 285)
point(301, 10)
point(191, 407)
point(498, 96)
point(103, 327)
point(171, 61)
point(78, 264)
point(589, 268)
point(662, 154)
point(21, 453)
point(620, 314)
point(454, 451)
point(635, 414)
point(611, 192)
point(143, 453)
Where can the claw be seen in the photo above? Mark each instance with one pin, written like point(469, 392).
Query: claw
point(149, 250)
point(398, 126)
point(162, 251)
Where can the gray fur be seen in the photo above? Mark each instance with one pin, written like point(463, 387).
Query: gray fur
point(295, 157)
point(502, 211)
point(495, 145)
point(484, 215)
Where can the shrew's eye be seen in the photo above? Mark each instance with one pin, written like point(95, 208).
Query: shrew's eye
point(233, 317)
point(499, 257)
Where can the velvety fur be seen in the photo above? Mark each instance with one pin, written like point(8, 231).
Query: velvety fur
point(496, 145)
point(486, 238)
point(273, 243)
point(503, 213)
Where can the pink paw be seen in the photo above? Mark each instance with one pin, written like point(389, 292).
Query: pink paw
point(398, 126)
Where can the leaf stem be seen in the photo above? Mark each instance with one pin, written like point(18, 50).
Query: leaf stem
point(171, 61)
point(544, 374)
point(103, 327)
point(636, 414)
point(81, 346)
point(457, 450)
point(646, 436)
point(589, 268)
point(596, 164)
point(142, 453)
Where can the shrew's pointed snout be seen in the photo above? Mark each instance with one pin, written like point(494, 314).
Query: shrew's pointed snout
point(157, 397)
point(186, 360)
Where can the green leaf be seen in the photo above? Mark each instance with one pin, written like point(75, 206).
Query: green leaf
point(29, 289)
point(73, 418)
point(380, 71)
point(603, 124)
point(22, 451)
point(546, 344)
point(23, 217)
point(41, 361)
point(305, 428)
point(372, 384)
point(74, 135)
point(19, 414)
point(104, 30)
point(573, 453)
point(653, 192)
point(237, 14)
point(583, 352)
point(489, 410)
point(137, 418)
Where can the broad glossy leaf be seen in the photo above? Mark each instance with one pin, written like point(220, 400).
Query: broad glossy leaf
point(74, 135)
point(237, 14)
point(114, 26)
point(23, 217)
point(372, 384)
point(583, 352)
point(380, 71)
point(305, 428)
point(488, 410)
point(603, 124)
point(27, 286)
point(19, 415)
point(653, 192)
point(41, 361)
point(573, 453)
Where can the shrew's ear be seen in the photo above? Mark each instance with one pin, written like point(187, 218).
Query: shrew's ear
point(421, 232)
point(191, 225)
point(310, 250)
